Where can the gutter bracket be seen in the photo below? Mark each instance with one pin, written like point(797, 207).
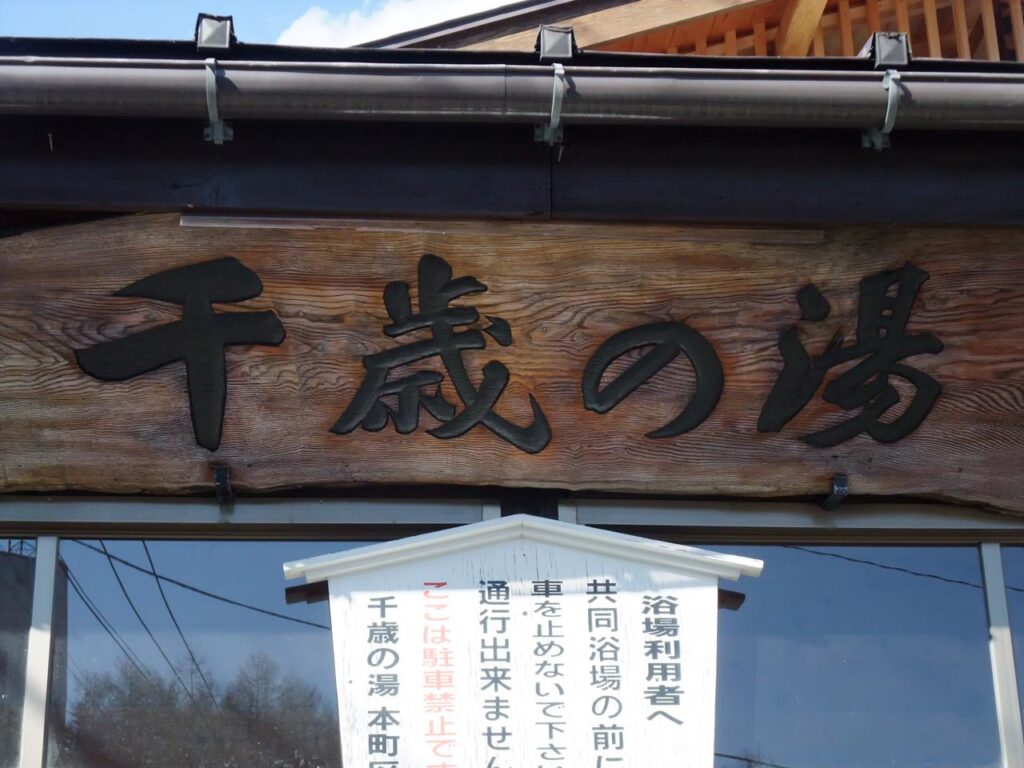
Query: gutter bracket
point(878, 138)
point(551, 134)
point(217, 131)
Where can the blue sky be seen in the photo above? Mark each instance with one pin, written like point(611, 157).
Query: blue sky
point(294, 22)
point(256, 20)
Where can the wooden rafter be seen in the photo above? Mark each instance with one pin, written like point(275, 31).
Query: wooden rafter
point(1017, 25)
point(796, 30)
point(991, 37)
point(623, 21)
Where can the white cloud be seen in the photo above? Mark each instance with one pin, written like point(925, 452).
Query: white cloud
point(320, 27)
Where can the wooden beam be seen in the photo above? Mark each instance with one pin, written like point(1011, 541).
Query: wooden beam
point(818, 45)
point(730, 43)
point(976, 35)
point(960, 30)
point(621, 21)
point(1017, 23)
point(902, 17)
point(874, 20)
point(760, 39)
point(673, 40)
point(931, 25)
point(845, 29)
point(988, 21)
point(796, 30)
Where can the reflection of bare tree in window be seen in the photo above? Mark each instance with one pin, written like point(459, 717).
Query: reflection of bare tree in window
point(263, 719)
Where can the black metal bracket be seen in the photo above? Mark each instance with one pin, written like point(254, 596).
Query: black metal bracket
point(730, 600)
point(530, 501)
point(222, 484)
point(317, 592)
point(840, 490)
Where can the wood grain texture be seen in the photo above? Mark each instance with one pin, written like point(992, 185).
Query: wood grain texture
point(564, 289)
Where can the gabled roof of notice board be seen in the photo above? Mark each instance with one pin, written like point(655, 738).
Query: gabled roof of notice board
point(675, 557)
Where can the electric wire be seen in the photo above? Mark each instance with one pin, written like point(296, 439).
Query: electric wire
point(896, 568)
point(75, 671)
point(750, 761)
point(107, 625)
point(145, 626)
point(120, 642)
point(73, 665)
point(205, 593)
point(181, 634)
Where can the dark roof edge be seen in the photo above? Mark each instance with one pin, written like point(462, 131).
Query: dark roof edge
point(162, 50)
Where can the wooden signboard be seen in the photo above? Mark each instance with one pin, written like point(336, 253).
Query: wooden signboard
point(136, 352)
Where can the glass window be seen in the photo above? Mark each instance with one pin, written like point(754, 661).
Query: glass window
point(1013, 576)
point(206, 665)
point(17, 572)
point(857, 657)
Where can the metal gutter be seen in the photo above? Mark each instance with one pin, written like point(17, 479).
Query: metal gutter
point(509, 93)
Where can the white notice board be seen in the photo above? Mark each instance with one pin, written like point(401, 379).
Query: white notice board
point(518, 652)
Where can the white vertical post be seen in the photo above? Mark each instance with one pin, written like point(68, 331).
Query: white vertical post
point(37, 671)
point(1004, 676)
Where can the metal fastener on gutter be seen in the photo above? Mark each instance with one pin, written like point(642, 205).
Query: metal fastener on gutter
point(217, 131)
point(551, 133)
point(878, 138)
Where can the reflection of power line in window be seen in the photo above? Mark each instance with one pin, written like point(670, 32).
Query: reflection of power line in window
point(203, 592)
point(195, 662)
point(124, 591)
point(76, 672)
point(102, 620)
point(749, 762)
point(896, 568)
